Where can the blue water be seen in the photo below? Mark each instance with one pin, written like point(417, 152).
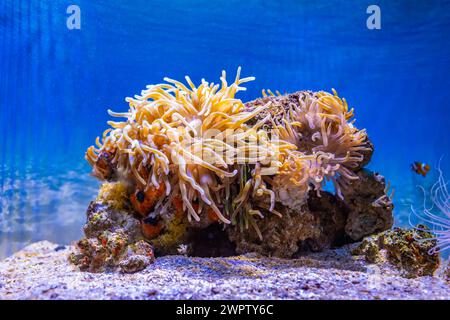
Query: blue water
point(56, 84)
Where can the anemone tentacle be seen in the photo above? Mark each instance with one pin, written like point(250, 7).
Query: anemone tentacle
point(437, 215)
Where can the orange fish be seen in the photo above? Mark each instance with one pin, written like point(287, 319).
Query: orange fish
point(420, 168)
point(151, 227)
point(144, 201)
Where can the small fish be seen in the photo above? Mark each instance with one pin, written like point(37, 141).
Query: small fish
point(420, 168)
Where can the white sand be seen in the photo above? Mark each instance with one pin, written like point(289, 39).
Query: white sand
point(40, 272)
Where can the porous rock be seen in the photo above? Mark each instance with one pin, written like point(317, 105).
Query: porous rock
point(319, 226)
point(369, 207)
point(113, 242)
point(406, 249)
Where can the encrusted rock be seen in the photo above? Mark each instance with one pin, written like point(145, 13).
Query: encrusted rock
point(325, 222)
point(332, 215)
point(114, 194)
point(369, 206)
point(137, 257)
point(320, 225)
point(113, 236)
point(407, 249)
point(101, 218)
point(281, 236)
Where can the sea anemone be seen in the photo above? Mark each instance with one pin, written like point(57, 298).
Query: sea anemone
point(202, 151)
point(327, 144)
point(191, 141)
point(437, 215)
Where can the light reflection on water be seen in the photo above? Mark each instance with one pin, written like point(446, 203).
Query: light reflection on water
point(36, 207)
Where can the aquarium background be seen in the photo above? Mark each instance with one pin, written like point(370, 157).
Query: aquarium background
point(56, 85)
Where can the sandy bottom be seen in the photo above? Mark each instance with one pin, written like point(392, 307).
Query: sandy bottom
point(41, 271)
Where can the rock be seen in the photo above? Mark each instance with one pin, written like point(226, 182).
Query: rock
point(332, 215)
point(134, 263)
point(325, 222)
point(281, 235)
point(115, 194)
point(407, 249)
point(369, 207)
point(319, 226)
point(113, 238)
point(101, 218)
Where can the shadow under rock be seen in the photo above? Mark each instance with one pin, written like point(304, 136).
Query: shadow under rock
point(254, 266)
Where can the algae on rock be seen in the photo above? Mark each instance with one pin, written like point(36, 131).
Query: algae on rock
point(407, 249)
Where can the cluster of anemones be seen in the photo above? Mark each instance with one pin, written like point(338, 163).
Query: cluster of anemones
point(201, 150)
point(327, 144)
